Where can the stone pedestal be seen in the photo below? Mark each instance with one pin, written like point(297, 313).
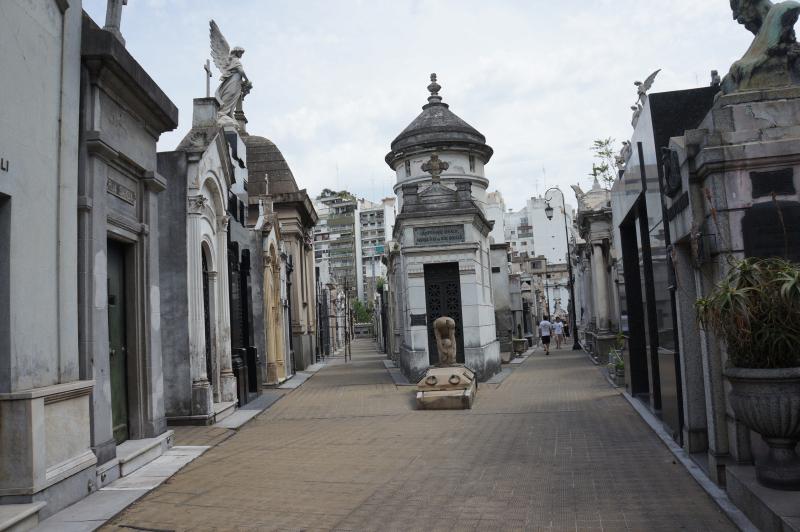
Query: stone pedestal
point(447, 388)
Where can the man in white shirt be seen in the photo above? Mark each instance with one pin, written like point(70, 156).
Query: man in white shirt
point(558, 330)
point(545, 330)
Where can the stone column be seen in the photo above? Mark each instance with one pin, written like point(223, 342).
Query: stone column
point(271, 376)
point(600, 282)
point(227, 388)
point(201, 390)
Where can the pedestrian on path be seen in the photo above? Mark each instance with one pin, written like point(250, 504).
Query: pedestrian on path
point(558, 330)
point(545, 330)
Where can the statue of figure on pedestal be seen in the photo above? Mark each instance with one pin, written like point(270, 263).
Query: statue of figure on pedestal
point(234, 85)
point(444, 329)
point(771, 59)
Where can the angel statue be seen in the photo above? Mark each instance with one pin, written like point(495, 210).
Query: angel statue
point(771, 60)
point(641, 92)
point(234, 84)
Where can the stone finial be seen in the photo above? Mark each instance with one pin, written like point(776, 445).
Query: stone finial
point(434, 89)
point(435, 167)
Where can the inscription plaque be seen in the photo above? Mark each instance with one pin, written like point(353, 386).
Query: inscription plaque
point(777, 181)
point(772, 229)
point(443, 234)
point(418, 319)
point(121, 191)
point(679, 205)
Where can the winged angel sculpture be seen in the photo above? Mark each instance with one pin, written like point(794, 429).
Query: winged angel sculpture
point(772, 59)
point(641, 91)
point(233, 81)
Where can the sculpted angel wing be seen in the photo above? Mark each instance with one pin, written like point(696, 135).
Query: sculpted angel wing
point(220, 49)
point(649, 81)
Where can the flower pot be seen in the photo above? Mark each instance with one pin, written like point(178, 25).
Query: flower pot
point(768, 402)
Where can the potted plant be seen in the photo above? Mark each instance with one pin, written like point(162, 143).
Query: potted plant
point(755, 310)
point(616, 360)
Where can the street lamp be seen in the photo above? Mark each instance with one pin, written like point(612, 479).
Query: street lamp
point(548, 211)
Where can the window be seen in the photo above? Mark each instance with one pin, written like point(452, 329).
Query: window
point(471, 163)
point(408, 168)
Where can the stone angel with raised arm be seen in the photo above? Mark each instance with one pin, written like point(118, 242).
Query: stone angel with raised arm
point(233, 81)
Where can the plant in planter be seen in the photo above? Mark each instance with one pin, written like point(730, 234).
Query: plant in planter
point(755, 310)
point(616, 360)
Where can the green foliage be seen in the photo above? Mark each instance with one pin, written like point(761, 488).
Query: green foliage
point(379, 284)
point(362, 313)
point(605, 171)
point(619, 341)
point(755, 309)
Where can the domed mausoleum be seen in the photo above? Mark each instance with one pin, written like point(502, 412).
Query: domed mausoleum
point(439, 262)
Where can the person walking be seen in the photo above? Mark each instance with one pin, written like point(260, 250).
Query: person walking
point(545, 330)
point(558, 331)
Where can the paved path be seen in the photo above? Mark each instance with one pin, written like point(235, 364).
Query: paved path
point(552, 447)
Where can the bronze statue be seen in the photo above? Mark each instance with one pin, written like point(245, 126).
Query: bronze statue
point(770, 61)
point(445, 330)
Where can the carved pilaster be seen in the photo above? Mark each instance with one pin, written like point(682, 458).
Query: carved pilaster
point(196, 204)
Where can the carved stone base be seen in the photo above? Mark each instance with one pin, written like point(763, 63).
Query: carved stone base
point(227, 383)
point(202, 400)
point(447, 388)
point(272, 373)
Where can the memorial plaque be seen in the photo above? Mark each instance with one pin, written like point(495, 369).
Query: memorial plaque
point(121, 191)
point(777, 181)
point(677, 206)
point(772, 229)
point(443, 234)
point(418, 319)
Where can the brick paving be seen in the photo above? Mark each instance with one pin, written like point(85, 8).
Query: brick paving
point(552, 447)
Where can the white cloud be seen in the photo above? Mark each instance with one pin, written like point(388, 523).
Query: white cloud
point(336, 81)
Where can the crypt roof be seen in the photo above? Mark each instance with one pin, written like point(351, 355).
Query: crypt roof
point(436, 127)
point(264, 156)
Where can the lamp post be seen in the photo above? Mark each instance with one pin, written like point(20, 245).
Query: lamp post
point(548, 211)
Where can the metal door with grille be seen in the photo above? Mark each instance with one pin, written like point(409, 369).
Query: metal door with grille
point(443, 298)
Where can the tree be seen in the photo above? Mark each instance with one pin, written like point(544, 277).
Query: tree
point(362, 312)
point(605, 172)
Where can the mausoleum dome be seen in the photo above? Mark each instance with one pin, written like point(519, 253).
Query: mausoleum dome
point(437, 128)
point(263, 156)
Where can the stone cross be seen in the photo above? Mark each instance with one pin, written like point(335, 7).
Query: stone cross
point(207, 68)
point(114, 17)
point(435, 167)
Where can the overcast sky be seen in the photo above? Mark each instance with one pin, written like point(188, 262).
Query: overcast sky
point(336, 80)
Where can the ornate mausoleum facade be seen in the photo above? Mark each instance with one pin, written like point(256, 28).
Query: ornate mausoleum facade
point(439, 258)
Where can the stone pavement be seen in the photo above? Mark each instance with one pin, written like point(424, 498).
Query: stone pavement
point(552, 447)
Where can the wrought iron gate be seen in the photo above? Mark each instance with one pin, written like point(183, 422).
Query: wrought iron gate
point(443, 298)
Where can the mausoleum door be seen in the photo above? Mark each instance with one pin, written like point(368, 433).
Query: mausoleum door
point(443, 298)
point(117, 345)
point(207, 320)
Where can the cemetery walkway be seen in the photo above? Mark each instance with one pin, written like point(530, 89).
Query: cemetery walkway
point(553, 447)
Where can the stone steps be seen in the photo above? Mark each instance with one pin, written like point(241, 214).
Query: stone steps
point(133, 455)
point(223, 410)
point(20, 517)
